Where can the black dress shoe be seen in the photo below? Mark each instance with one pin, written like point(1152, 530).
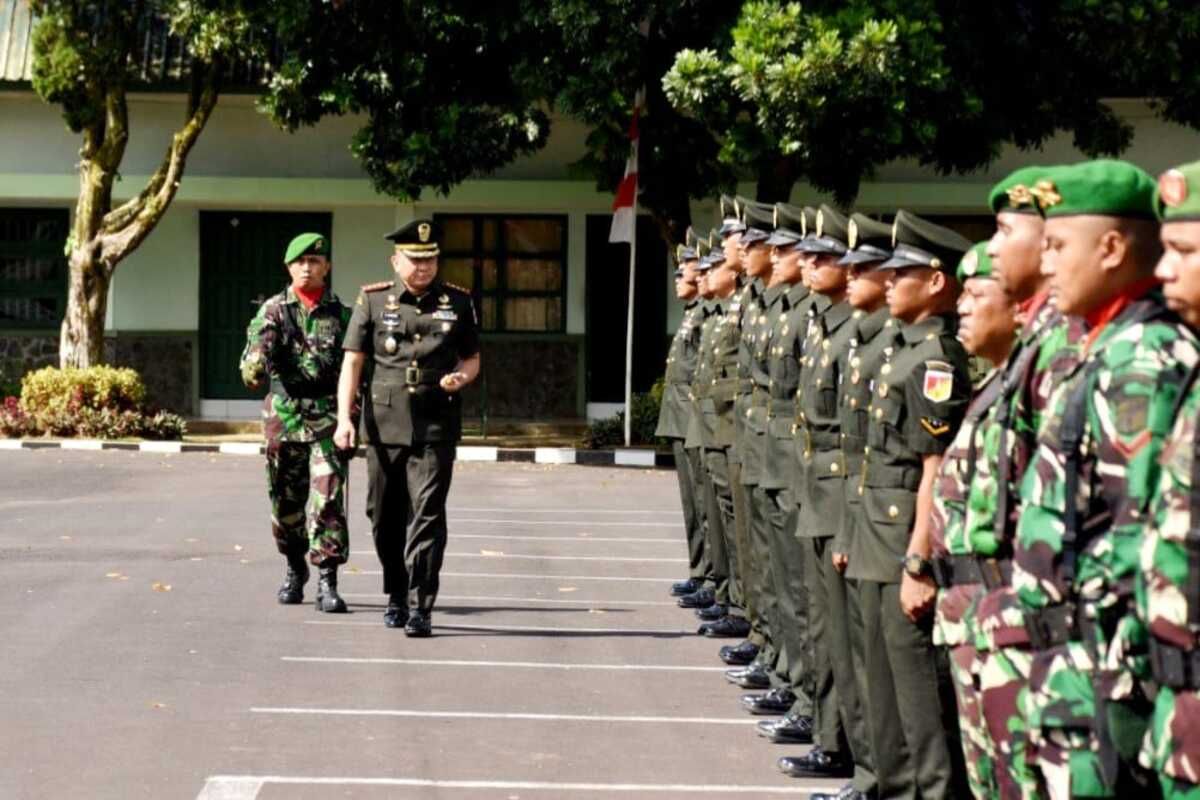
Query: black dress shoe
point(396, 614)
point(754, 676)
point(739, 655)
point(419, 625)
point(792, 729)
point(776, 701)
point(712, 613)
point(726, 627)
point(681, 588)
point(767, 727)
point(847, 792)
point(816, 763)
point(702, 598)
point(291, 591)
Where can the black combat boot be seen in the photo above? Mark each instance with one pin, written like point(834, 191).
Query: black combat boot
point(291, 591)
point(328, 599)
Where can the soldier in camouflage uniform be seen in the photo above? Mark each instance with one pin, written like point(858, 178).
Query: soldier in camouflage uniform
point(1168, 585)
point(987, 328)
point(1086, 493)
point(919, 396)
point(294, 342)
point(675, 413)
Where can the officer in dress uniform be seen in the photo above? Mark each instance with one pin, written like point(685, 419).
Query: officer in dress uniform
point(422, 337)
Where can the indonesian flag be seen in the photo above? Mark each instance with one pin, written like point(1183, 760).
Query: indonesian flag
point(624, 222)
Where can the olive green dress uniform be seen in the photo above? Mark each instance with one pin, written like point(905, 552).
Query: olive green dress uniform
point(410, 424)
point(673, 420)
point(918, 399)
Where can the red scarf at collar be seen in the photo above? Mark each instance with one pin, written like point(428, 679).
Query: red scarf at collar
point(1098, 318)
point(309, 297)
point(1027, 310)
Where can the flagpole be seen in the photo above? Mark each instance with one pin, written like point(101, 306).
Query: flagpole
point(629, 332)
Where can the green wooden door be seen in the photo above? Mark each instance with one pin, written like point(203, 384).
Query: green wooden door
point(241, 264)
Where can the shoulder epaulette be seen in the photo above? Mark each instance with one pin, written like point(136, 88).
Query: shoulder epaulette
point(455, 286)
point(378, 287)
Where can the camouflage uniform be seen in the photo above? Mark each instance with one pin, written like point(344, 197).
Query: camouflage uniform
point(1075, 562)
point(301, 351)
point(1168, 604)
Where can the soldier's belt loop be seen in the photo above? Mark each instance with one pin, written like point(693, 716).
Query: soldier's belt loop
point(412, 376)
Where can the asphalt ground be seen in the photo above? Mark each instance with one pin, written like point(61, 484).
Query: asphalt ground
point(144, 654)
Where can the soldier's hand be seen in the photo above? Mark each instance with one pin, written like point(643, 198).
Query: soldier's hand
point(841, 561)
point(917, 596)
point(344, 437)
point(453, 381)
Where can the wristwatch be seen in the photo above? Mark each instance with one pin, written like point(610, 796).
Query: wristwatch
point(915, 565)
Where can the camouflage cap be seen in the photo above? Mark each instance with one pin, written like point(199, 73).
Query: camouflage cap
point(1177, 197)
point(1103, 188)
point(918, 242)
point(869, 240)
point(307, 244)
point(829, 235)
point(759, 219)
point(975, 264)
point(1019, 192)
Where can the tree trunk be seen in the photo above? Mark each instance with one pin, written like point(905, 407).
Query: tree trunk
point(82, 341)
point(776, 177)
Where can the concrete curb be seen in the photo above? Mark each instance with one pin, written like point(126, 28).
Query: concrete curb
point(640, 459)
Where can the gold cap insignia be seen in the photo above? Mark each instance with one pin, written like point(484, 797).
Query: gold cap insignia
point(1020, 195)
point(1173, 188)
point(319, 245)
point(970, 263)
point(737, 209)
point(423, 231)
point(679, 253)
point(1047, 194)
point(895, 231)
point(852, 234)
point(936, 263)
point(775, 217)
point(820, 221)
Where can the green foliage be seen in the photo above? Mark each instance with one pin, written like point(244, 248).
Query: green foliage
point(96, 403)
point(607, 433)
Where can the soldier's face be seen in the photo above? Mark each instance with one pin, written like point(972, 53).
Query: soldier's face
point(1016, 252)
point(868, 287)
point(1073, 261)
point(308, 272)
point(685, 284)
point(722, 280)
point(702, 285)
point(756, 259)
point(909, 292)
point(987, 319)
point(788, 266)
point(416, 273)
point(1179, 269)
point(826, 276)
point(733, 254)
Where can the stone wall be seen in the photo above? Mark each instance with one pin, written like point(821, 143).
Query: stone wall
point(528, 379)
point(165, 362)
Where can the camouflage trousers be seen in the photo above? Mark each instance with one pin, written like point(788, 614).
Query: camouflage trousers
point(952, 630)
point(1171, 747)
point(306, 483)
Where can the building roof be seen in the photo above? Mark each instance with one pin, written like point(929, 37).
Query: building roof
point(163, 62)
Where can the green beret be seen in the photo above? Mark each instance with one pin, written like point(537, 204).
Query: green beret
point(307, 244)
point(975, 264)
point(918, 242)
point(1016, 193)
point(1101, 188)
point(1176, 199)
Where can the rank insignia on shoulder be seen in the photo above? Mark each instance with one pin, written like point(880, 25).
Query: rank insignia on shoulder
point(938, 385)
point(935, 427)
point(456, 286)
point(377, 287)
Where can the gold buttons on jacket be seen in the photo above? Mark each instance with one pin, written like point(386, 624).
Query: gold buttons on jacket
point(885, 369)
point(893, 512)
point(833, 467)
point(879, 413)
point(883, 390)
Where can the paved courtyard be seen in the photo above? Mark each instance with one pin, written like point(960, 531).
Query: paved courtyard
point(145, 656)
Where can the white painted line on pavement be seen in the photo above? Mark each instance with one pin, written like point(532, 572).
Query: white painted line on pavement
point(569, 558)
point(522, 628)
point(82, 444)
point(564, 522)
point(523, 510)
point(246, 787)
point(623, 539)
point(511, 715)
point(552, 600)
point(240, 448)
point(432, 662)
point(524, 576)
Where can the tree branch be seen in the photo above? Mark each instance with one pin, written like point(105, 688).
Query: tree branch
point(126, 227)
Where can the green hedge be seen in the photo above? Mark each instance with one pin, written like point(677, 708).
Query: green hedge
point(606, 433)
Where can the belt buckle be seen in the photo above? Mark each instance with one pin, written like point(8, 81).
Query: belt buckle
point(412, 376)
point(1038, 629)
point(990, 573)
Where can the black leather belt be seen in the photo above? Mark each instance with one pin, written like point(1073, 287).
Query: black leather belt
point(959, 570)
point(1173, 666)
point(1057, 625)
point(303, 391)
point(414, 376)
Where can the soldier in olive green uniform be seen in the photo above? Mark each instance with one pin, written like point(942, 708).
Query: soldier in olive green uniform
point(918, 399)
point(423, 340)
point(295, 340)
point(676, 411)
